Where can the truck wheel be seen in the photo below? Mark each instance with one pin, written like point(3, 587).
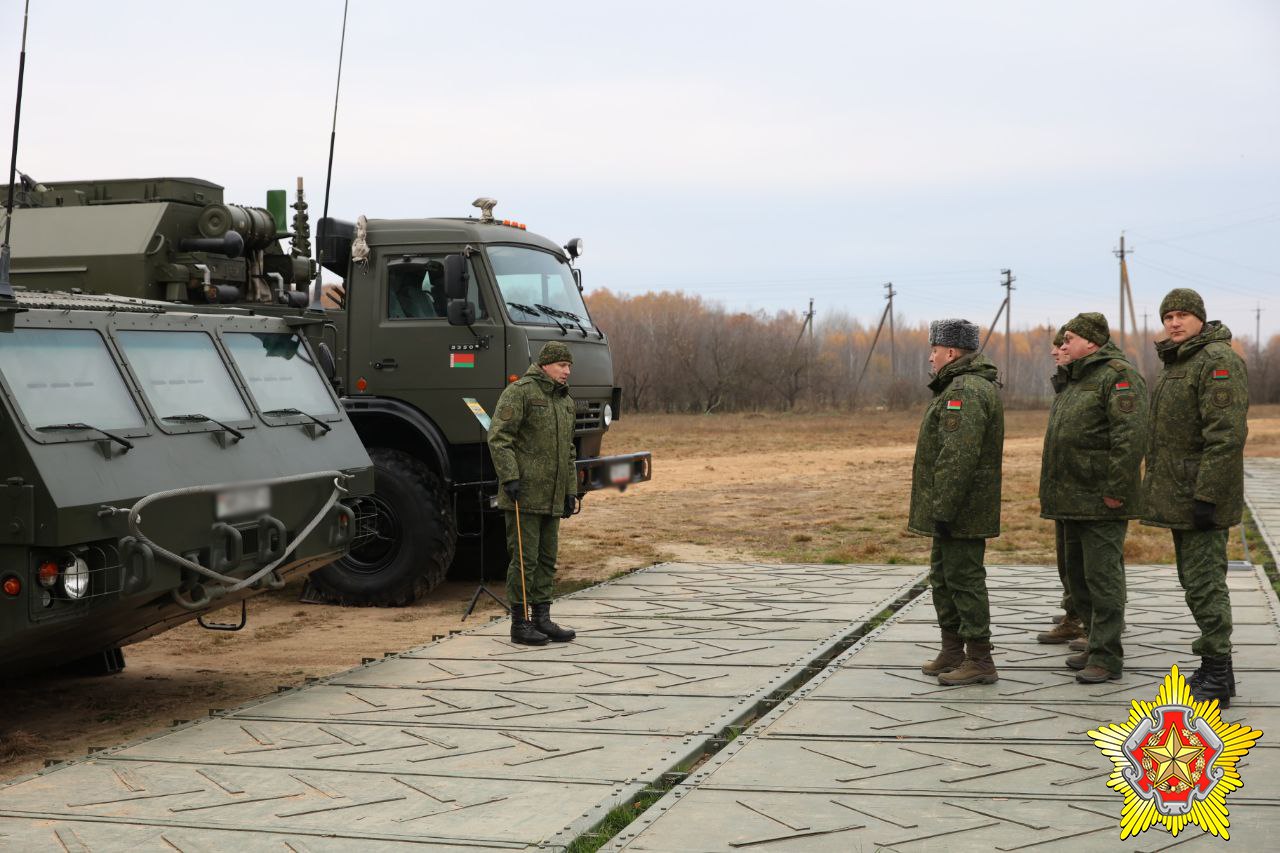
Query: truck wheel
point(406, 541)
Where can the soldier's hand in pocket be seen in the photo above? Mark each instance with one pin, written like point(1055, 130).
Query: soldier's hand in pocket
point(1202, 515)
point(512, 489)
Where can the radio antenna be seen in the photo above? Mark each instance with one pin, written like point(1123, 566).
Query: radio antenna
point(317, 293)
point(6, 287)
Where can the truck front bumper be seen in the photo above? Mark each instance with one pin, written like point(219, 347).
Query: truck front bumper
point(604, 472)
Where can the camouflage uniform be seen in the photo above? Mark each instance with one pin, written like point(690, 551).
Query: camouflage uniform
point(1195, 458)
point(531, 440)
point(1093, 449)
point(956, 481)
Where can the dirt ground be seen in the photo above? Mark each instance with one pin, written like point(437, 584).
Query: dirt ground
point(787, 488)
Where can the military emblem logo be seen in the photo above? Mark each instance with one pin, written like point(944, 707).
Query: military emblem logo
point(1175, 761)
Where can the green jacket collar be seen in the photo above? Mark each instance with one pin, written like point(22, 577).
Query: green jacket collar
point(1106, 352)
point(977, 364)
point(547, 384)
point(1213, 332)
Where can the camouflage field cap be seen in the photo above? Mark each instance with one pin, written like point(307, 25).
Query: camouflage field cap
point(1091, 326)
point(958, 334)
point(1057, 339)
point(1183, 299)
point(554, 351)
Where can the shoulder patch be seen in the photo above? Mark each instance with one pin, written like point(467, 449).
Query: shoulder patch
point(1220, 373)
point(505, 412)
point(951, 421)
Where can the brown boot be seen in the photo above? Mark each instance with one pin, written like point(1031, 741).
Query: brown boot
point(978, 667)
point(1094, 674)
point(951, 656)
point(1078, 661)
point(1079, 644)
point(1067, 630)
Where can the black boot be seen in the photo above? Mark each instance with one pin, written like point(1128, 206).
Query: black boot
point(1194, 679)
point(1214, 680)
point(542, 621)
point(522, 630)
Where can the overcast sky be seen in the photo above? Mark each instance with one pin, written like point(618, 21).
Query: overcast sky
point(755, 153)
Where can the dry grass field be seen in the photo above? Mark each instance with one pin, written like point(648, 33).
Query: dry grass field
point(769, 487)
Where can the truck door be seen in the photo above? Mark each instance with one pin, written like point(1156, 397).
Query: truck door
point(408, 350)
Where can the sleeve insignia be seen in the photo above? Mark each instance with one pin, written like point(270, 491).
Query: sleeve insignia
point(951, 421)
point(505, 412)
point(1222, 397)
point(1221, 373)
point(1126, 403)
point(955, 405)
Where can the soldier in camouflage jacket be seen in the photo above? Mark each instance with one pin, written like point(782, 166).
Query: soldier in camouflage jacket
point(531, 443)
point(955, 497)
point(1090, 479)
point(1195, 472)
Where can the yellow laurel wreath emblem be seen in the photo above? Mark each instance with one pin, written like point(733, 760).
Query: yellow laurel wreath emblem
point(1210, 813)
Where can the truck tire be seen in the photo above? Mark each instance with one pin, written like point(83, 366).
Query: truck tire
point(409, 543)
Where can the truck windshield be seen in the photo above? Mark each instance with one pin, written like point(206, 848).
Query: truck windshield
point(280, 373)
point(538, 287)
point(62, 376)
point(181, 373)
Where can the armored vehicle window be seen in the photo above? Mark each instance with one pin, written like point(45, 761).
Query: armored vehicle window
point(63, 376)
point(538, 287)
point(181, 373)
point(280, 373)
point(415, 289)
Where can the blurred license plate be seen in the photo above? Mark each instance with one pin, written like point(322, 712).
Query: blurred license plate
point(235, 502)
point(620, 472)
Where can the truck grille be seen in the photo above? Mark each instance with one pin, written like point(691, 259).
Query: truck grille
point(588, 417)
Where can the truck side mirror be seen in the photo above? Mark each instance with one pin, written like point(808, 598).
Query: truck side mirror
point(577, 278)
point(461, 312)
point(455, 277)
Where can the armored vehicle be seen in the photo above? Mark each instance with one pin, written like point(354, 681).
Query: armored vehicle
point(157, 462)
point(431, 321)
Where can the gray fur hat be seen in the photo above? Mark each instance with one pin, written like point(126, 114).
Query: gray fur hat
point(960, 334)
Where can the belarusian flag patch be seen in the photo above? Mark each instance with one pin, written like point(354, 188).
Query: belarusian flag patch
point(1122, 386)
point(462, 359)
point(1221, 373)
point(953, 405)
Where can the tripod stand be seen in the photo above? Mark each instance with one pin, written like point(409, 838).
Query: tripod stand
point(481, 589)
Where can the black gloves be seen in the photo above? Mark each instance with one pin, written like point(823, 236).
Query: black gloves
point(942, 529)
point(1202, 514)
point(570, 504)
point(512, 489)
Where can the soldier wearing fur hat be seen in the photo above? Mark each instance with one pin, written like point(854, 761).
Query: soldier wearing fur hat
point(1090, 481)
point(1195, 472)
point(955, 497)
point(531, 442)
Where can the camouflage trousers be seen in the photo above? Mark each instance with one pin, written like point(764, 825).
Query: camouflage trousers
point(959, 580)
point(540, 536)
point(1067, 605)
point(1094, 552)
point(1202, 571)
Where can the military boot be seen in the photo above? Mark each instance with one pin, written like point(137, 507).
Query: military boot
point(542, 621)
point(1067, 630)
point(951, 656)
point(523, 631)
point(1214, 684)
point(978, 667)
point(1079, 644)
point(1078, 661)
point(1195, 677)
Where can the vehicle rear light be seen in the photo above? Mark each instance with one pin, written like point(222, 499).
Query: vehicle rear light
point(12, 586)
point(47, 574)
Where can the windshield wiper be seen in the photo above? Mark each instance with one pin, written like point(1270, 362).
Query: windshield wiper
point(525, 308)
point(196, 417)
point(275, 413)
point(553, 314)
point(118, 439)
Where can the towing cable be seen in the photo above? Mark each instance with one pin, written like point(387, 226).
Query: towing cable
point(232, 584)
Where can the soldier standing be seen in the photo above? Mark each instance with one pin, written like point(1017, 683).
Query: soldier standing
point(1068, 621)
point(955, 497)
point(1195, 473)
point(531, 442)
point(1090, 481)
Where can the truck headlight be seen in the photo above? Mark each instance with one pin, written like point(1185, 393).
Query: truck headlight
point(608, 415)
point(75, 579)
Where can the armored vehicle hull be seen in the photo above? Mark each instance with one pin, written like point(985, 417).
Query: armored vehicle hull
point(157, 463)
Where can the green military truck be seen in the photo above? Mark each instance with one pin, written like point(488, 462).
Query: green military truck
point(433, 318)
point(156, 463)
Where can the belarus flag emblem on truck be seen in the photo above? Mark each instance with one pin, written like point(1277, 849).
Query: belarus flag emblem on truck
point(462, 359)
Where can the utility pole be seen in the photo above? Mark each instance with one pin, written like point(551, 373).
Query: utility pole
point(1007, 284)
point(1124, 287)
point(1257, 334)
point(893, 350)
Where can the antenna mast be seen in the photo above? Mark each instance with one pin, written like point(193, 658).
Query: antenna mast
point(6, 287)
point(317, 301)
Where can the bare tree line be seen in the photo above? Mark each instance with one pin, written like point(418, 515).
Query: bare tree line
point(676, 352)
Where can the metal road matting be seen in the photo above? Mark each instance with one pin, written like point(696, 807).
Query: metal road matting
point(873, 755)
point(470, 742)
